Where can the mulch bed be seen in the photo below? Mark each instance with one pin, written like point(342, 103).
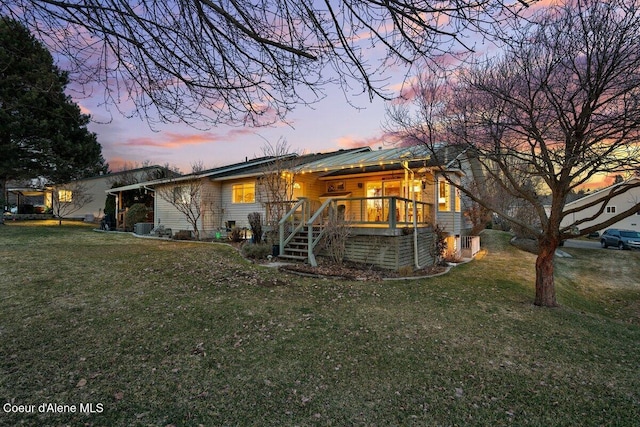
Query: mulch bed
point(355, 271)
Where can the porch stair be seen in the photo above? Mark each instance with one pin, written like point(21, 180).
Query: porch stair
point(298, 247)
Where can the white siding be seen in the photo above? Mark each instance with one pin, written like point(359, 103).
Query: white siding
point(622, 203)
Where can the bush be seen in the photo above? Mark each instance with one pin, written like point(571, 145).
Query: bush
point(334, 240)
point(255, 222)
point(236, 235)
point(183, 235)
point(439, 246)
point(256, 250)
point(136, 213)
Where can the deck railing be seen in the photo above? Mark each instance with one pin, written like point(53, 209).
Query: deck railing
point(469, 246)
point(387, 211)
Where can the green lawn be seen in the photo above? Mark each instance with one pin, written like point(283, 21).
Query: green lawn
point(158, 333)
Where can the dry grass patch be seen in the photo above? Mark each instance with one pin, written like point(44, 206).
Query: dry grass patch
point(174, 333)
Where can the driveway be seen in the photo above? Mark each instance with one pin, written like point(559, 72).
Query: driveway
point(582, 244)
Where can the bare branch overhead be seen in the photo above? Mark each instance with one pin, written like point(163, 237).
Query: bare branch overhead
point(245, 61)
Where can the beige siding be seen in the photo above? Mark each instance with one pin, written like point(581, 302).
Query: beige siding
point(311, 186)
point(212, 216)
point(95, 187)
point(238, 212)
point(166, 214)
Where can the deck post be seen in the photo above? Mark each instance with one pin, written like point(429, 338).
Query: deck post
point(393, 221)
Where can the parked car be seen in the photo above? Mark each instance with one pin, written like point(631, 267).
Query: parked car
point(621, 239)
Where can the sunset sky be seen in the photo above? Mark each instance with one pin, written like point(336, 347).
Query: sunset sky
point(331, 124)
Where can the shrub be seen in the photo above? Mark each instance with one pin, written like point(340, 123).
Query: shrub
point(136, 213)
point(183, 235)
point(334, 240)
point(256, 250)
point(255, 222)
point(235, 235)
point(439, 244)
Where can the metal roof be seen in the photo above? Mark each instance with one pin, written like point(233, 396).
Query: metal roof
point(360, 159)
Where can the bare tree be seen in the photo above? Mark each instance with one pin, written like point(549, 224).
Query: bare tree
point(246, 61)
point(186, 195)
point(69, 198)
point(277, 183)
point(558, 107)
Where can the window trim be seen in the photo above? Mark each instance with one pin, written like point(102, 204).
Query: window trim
point(444, 195)
point(65, 196)
point(243, 186)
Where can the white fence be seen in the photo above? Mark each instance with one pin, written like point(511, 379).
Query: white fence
point(462, 246)
point(468, 246)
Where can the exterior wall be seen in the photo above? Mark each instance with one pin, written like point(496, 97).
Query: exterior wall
point(312, 188)
point(622, 203)
point(213, 208)
point(166, 214)
point(238, 212)
point(450, 219)
point(390, 252)
point(96, 187)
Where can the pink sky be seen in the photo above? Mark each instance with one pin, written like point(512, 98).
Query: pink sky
point(329, 125)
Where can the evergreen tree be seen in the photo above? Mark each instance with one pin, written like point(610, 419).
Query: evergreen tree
point(43, 133)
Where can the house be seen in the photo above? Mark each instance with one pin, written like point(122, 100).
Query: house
point(585, 212)
point(390, 198)
point(82, 199)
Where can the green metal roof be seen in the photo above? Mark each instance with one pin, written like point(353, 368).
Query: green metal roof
point(362, 159)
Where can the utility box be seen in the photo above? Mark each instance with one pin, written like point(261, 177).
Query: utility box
point(143, 228)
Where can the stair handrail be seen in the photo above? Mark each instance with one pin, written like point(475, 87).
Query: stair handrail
point(303, 201)
point(312, 243)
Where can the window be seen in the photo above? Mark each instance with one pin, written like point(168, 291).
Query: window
point(181, 195)
point(244, 193)
point(65, 196)
point(444, 198)
point(457, 200)
point(611, 209)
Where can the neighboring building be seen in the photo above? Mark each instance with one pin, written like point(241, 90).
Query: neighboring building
point(391, 199)
point(616, 205)
point(39, 200)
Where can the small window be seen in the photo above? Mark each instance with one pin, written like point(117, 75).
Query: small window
point(444, 198)
point(65, 196)
point(611, 209)
point(244, 193)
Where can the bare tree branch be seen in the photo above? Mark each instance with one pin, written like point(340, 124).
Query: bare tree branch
point(558, 107)
point(244, 61)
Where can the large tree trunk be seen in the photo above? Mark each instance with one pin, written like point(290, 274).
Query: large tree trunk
point(545, 285)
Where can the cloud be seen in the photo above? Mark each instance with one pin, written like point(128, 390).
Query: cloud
point(173, 140)
point(384, 140)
